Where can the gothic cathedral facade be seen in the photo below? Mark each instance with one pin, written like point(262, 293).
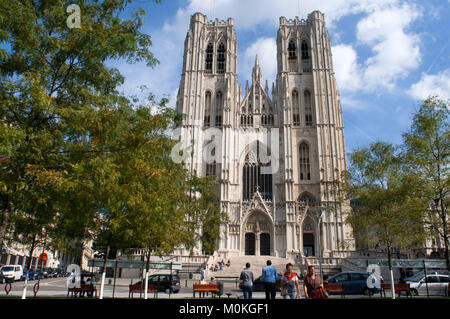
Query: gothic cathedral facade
point(278, 156)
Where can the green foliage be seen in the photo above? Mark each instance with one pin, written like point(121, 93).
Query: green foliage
point(82, 161)
point(386, 207)
point(426, 148)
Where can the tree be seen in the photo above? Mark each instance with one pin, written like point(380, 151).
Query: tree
point(53, 82)
point(427, 150)
point(386, 208)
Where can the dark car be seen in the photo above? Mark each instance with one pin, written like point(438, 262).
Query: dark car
point(164, 282)
point(258, 285)
point(354, 283)
point(31, 275)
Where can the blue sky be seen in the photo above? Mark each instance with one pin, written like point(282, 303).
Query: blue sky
point(387, 54)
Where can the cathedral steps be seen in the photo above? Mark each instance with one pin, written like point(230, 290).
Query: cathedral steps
point(257, 263)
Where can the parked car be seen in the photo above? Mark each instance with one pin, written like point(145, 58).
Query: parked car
point(31, 275)
point(437, 285)
point(12, 272)
point(164, 282)
point(258, 285)
point(353, 283)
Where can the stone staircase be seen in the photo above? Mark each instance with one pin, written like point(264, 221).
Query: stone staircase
point(256, 264)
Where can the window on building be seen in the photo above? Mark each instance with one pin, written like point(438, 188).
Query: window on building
point(253, 179)
point(305, 54)
point(307, 199)
point(221, 58)
point(305, 166)
point(295, 108)
point(308, 109)
point(219, 108)
point(211, 168)
point(209, 58)
point(292, 50)
point(207, 117)
point(292, 58)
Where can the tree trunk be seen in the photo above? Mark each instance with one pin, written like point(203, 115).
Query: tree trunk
point(391, 273)
point(102, 285)
point(445, 233)
point(146, 274)
point(3, 226)
point(28, 266)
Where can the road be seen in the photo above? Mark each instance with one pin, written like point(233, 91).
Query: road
point(57, 287)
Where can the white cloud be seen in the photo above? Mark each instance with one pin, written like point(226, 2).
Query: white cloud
point(266, 48)
point(346, 68)
point(432, 84)
point(396, 51)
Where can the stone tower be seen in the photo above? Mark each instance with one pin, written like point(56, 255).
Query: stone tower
point(279, 156)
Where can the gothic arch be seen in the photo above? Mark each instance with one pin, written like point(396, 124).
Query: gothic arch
point(257, 222)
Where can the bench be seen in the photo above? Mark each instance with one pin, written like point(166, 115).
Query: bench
point(140, 288)
point(399, 288)
point(80, 291)
point(334, 288)
point(205, 288)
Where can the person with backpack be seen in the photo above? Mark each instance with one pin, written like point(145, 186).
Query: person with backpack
point(247, 278)
point(290, 287)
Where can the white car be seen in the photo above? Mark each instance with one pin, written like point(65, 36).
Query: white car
point(11, 272)
point(437, 285)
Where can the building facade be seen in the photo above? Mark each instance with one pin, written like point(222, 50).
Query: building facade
point(279, 153)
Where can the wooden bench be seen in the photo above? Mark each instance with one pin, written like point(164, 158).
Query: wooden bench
point(334, 288)
point(399, 288)
point(205, 288)
point(140, 288)
point(80, 291)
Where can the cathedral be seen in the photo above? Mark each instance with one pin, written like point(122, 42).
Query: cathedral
point(278, 152)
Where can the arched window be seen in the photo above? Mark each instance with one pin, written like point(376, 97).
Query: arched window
point(292, 50)
point(209, 58)
point(305, 166)
point(221, 58)
point(305, 54)
point(295, 108)
point(211, 167)
point(308, 109)
point(207, 117)
point(219, 108)
point(253, 179)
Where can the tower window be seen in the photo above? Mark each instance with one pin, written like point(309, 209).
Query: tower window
point(219, 108)
point(221, 58)
point(292, 50)
point(295, 109)
point(206, 121)
point(308, 109)
point(209, 58)
point(305, 166)
point(305, 54)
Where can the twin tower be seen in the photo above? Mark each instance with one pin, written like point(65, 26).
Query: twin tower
point(278, 153)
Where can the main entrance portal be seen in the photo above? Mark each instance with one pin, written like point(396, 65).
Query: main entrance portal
point(258, 234)
point(250, 242)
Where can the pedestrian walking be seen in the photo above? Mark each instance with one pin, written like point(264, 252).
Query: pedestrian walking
point(248, 279)
point(202, 274)
point(269, 279)
point(313, 284)
point(290, 288)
